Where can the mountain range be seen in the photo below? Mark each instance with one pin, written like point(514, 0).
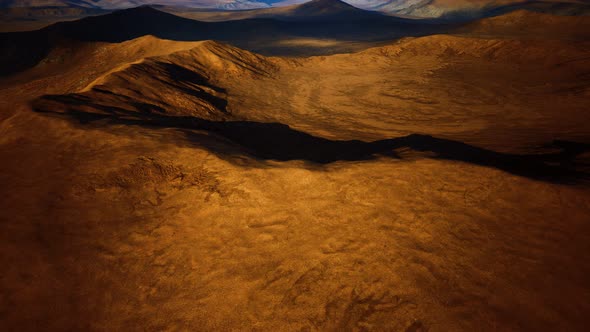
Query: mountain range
point(331, 20)
point(419, 8)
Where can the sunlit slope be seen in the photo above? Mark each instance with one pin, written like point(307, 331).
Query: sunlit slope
point(490, 91)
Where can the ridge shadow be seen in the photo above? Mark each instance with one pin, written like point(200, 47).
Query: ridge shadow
point(279, 142)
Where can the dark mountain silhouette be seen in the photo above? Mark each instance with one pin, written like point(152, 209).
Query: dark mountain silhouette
point(328, 10)
point(128, 24)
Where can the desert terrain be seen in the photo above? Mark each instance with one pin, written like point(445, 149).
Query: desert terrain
point(257, 175)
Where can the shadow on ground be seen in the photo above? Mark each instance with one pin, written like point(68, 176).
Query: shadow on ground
point(279, 142)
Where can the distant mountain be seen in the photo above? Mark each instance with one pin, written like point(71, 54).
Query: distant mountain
point(219, 4)
point(472, 8)
point(122, 4)
point(324, 9)
point(421, 8)
point(56, 11)
point(47, 3)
